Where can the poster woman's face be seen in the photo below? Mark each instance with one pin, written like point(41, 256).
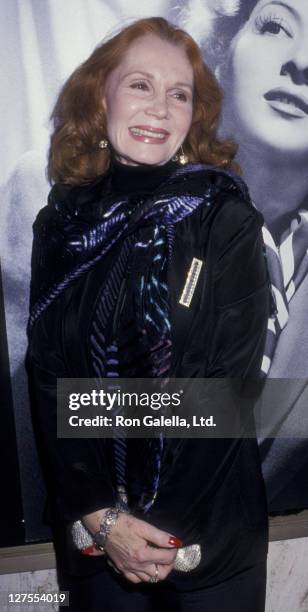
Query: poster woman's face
point(268, 75)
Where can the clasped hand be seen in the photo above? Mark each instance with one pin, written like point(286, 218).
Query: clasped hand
point(135, 547)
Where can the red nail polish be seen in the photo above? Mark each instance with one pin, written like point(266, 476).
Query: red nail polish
point(175, 541)
point(88, 550)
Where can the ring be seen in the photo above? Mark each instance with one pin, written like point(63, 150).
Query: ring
point(154, 579)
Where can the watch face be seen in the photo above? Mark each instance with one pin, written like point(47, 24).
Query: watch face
point(99, 539)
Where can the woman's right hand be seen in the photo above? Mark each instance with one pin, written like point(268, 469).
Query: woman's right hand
point(136, 548)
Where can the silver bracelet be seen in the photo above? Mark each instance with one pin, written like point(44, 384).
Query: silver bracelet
point(109, 520)
point(83, 538)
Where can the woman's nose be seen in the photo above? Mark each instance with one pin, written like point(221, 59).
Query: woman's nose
point(158, 107)
point(297, 66)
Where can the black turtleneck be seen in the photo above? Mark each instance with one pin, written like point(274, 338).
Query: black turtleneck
point(143, 178)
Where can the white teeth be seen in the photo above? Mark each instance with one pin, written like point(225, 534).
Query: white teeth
point(141, 132)
point(286, 101)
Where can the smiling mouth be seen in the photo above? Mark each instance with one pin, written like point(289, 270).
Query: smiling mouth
point(287, 102)
point(152, 134)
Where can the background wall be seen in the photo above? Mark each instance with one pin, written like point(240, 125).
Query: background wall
point(286, 585)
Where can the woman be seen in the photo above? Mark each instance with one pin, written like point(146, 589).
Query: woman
point(111, 256)
point(262, 65)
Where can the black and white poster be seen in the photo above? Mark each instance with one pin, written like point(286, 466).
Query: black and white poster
point(259, 53)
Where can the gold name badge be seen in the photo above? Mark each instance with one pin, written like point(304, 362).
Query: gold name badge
point(191, 282)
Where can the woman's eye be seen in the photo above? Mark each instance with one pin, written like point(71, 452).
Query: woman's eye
point(271, 24)
point(139, 85)
point(181, 96)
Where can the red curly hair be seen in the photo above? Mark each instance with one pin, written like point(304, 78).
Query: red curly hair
point(79, 119)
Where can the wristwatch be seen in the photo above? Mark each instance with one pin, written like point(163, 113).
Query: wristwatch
point(110, 518)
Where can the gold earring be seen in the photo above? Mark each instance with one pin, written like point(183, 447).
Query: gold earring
point(181, 157)
point(103, 144)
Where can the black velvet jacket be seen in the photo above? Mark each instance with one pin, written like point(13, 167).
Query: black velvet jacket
point(214, 493)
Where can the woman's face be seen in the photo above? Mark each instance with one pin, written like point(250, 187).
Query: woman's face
point(267, 84)
point(149, 102)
